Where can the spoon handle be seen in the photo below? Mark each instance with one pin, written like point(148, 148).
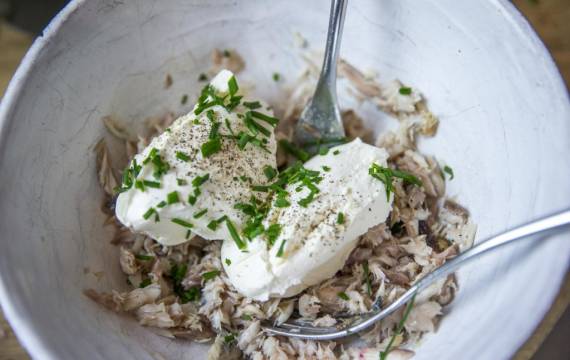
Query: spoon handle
point(334, 33)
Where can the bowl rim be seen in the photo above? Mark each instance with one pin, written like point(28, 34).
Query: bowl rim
point(37, 344)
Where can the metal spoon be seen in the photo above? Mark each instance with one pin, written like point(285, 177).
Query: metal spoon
point(320, 121)
point(365, 321)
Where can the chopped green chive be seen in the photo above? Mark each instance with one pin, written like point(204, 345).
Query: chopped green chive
point(152, 184)
point(233, 86)
point(226, 53)
point(367, 278)
point(281, 202)
point(273, 232)
point(182, 223)
point(146, 282)
point(181, 182)
point(404, 90)
point(384, 354)
point(199, 214)
point(340, 218)
point(252, 105)
point(199, 180)
point(211, 147)
point(449, 171)
point(343, 296)
point(281, 249)
point(276, 77)
point(386, 175)
point(188, 234)
point(210, 275)
point(139, 185)
point(184, 99)
point(268, 119)
point(161, 204)
point(172, 198)
point(336, 152)
point(144, 257)
point(246, 317)
point(228, 262)
point(269, 172)
point(228, 339)
point(182, 156)
point(323, 150)
point(149, 213)
point(294, 150)
point(326, 168)
point(192, 199)
point(234, 234)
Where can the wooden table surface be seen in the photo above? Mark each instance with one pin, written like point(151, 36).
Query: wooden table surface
point(550, 18)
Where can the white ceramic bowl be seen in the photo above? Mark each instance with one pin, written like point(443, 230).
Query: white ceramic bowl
point(504, 129)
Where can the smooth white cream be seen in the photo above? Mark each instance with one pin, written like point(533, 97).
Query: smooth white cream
point(231, 171)
point(315, 245)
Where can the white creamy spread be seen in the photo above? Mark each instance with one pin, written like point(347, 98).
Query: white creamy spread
point(229, 172)
point(315, 241)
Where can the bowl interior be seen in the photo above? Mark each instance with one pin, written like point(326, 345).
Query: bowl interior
point(504, 129)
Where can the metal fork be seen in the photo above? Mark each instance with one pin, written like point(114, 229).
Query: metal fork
point(365, 321)
point(320, 121)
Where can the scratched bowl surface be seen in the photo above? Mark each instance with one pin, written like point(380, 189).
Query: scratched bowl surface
point(504, 129)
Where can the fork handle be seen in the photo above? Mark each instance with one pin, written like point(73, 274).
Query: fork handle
point(332, 47)
point(538, 226)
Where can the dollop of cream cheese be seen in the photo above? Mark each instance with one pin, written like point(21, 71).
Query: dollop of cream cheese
point(314, 243)
point(230, 173)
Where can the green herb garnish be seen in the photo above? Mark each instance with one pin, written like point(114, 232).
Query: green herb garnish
point(210, 275)
point(172, 198)
point(281, 202)
point(200, 180)
point(233, 86)
point(269, 172)
point(144, 257)
point(246, 317)
point(211, 147)
point(184, 99)
point(276, 77)
point(213, 225)
point(228, 262)
point(292, 149)
point(336, 152)
point(161, 204)
point(326, 168)
point(182, 156)
point(199, 214)
point(272, 233)
point(268, 119)
point(386, 175)
point(151, 184)
point(340, 218)
point(146, 282)
point(343, 296)
point(181, 222)
point(181, 182)
point(149, 213)
point(234, 234)
point(399, 329)
point(228, 339)
point(449, 171)
point(252, 105)
point(404, 90)
point(281, 249)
